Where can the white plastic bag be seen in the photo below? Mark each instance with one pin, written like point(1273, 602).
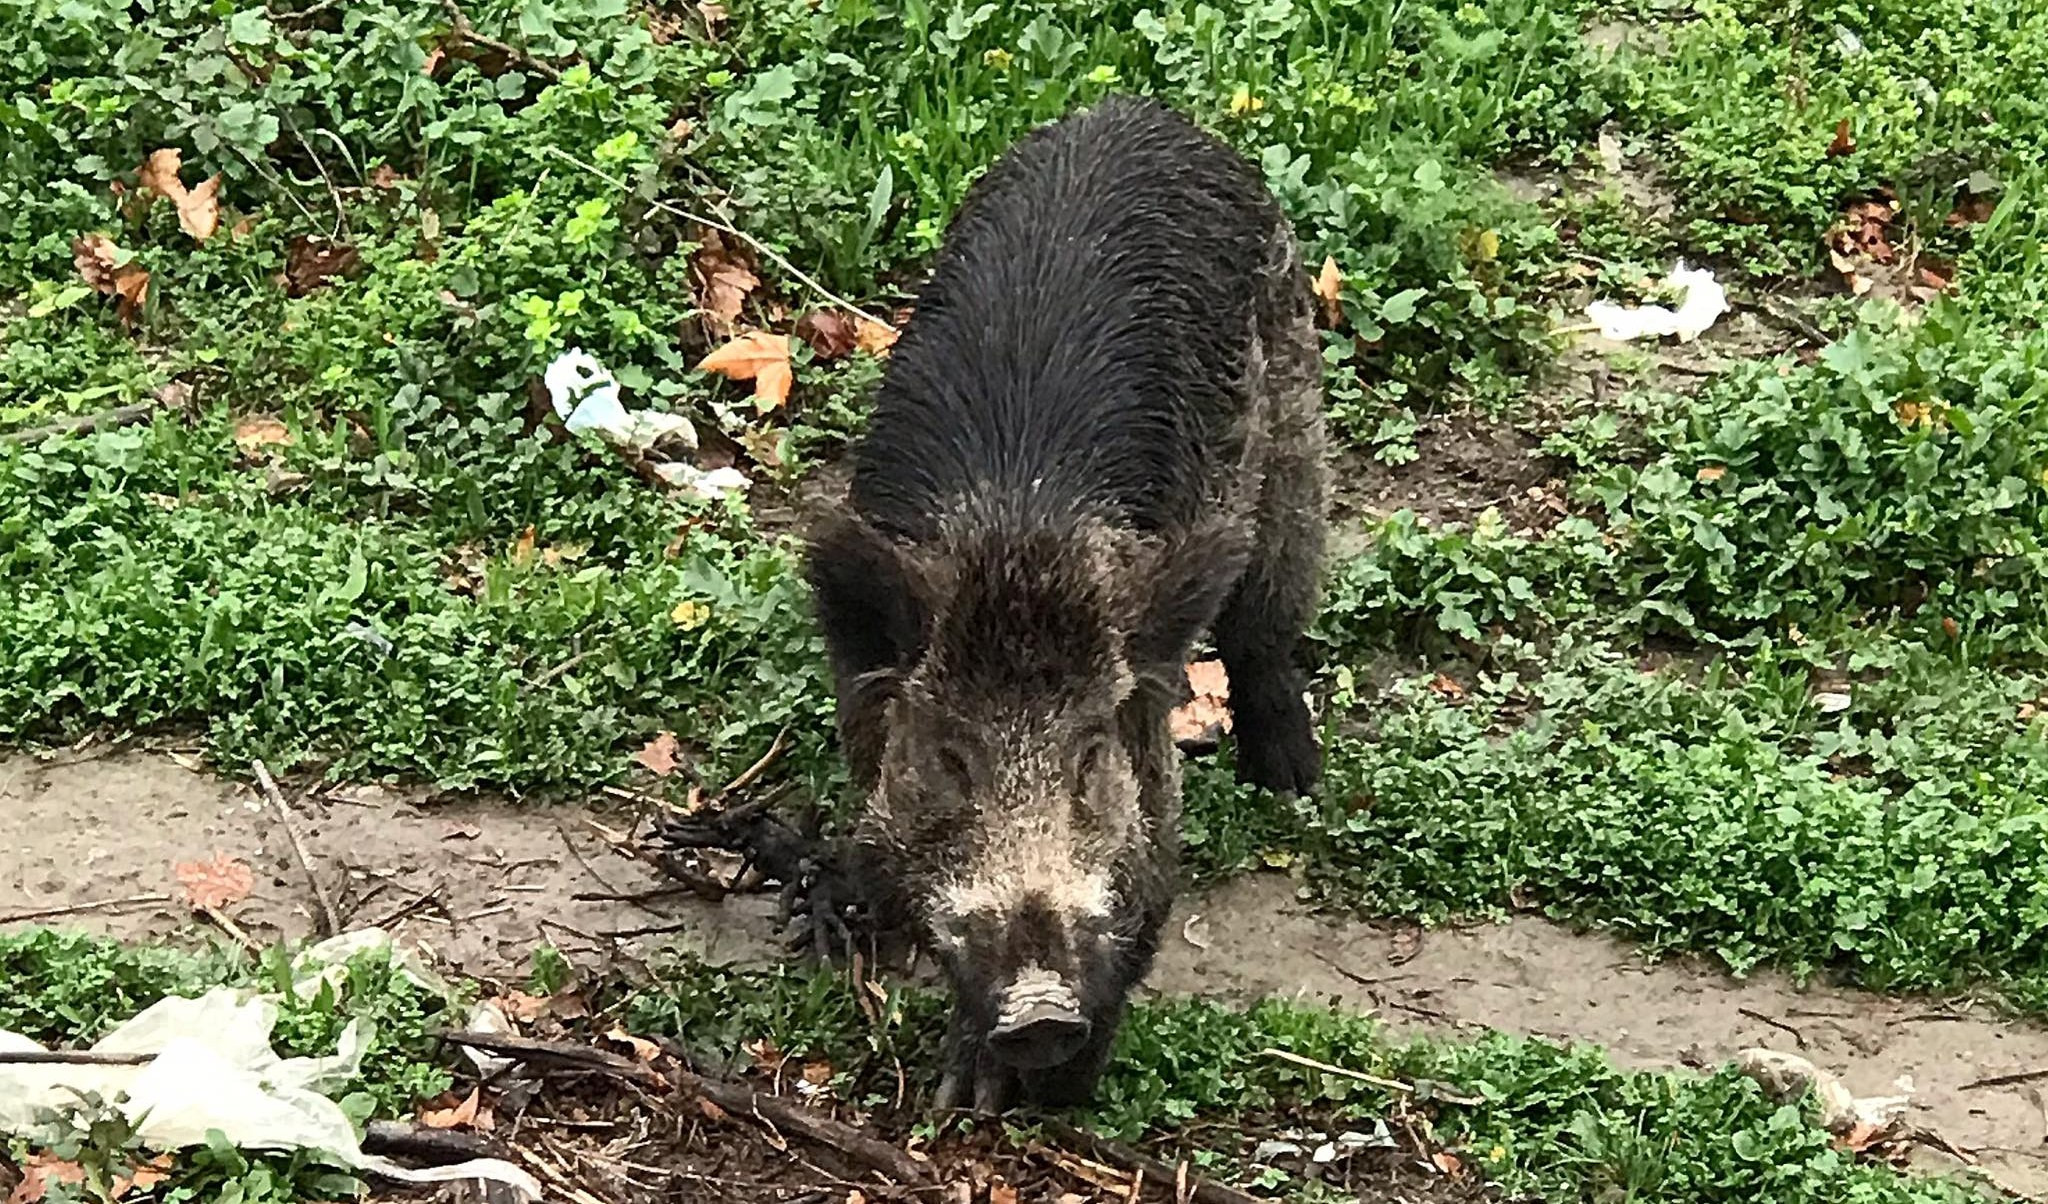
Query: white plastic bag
point(213, 1069)
point(1705, 302)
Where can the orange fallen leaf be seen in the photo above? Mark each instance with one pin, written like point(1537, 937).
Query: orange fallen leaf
point(462, 1115)
point(659, 754)
point(1202, 718)
point(874, 337)
point(522, 547)
point(39, 1173)
point(1711, 473)
point(1329, 288)
point(757, 356)
point(198, 208)
point(143, 1176)
point(817, 1074)
point(1000, 1192)
point(260, 431)
point(1446, 687)
point(643, 1049)
point(712, 1112)
point(1950, 628)
point(1862, 1136)
point(433, 61)
point(215, 884)
point(384, 176)
point(1447, 1162)
point(106, 268)
point(1843, 143)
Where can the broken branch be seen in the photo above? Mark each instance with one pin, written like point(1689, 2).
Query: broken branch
point(329, 924)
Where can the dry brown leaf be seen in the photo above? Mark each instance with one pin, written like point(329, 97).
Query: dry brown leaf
point(817, 1074)
point(874, 337)
point(1711, 473)
point(714, 15)
point(384, 176)
point(1447, 1162)
point(830, 333)
point(100, 264)
point(659, 754)
point(643, 1049)
point(1000, 1192)
point(712, 1112)
point(220, 883)
point(461, 832)
point(522, 547)
point(1407, 944)
point(1843, 143)
point(1950, 628)
point(39, 1172)
point(462, 1115)
point(198, 208)
point(1330, 290)
point(143, 1176)
point(758, 356)
point(768, 1056)
point(1204, 717)
point(312, 263)
point(259, 431)
point(433, 62)
point(1862, 1136)
point(1446, 687)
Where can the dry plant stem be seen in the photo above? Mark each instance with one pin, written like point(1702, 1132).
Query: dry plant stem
point(1101, 1149)
point(73, 1057)
point(787, 1117)
point(465, 32)
point(84, 424)
point(51, 913)
point(1341, 1071)
point(724, 227)
point(220, 918)
point(753, 772)
point(329, 924)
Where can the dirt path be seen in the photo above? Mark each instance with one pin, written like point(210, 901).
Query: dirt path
point(480, 885)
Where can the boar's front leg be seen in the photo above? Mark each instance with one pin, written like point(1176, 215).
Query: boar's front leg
point(974, 1079)
point(823, 899)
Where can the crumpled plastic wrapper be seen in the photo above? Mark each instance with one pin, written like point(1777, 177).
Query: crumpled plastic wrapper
point(213, 1069)
point(1705, 302)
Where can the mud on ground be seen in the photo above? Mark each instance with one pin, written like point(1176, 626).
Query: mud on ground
point(479, 884)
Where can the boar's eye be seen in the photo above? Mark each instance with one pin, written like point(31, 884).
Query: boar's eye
point(956, 769)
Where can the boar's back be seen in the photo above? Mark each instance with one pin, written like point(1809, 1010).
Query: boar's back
point(1082, 340)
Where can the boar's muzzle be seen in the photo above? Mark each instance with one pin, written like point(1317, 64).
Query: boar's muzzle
point(1040, 1024)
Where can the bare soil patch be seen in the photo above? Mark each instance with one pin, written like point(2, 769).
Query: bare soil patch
point(480, 883)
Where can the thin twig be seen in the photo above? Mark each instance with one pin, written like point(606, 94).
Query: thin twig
point(228, 926)
point(753, 772)
point(330, 925)
point(558, 670)
point(1342, 1072)
point(84, 424)
point(74, 909)
point(1798, 1038)
point(1201, 1191)
point(465, 32)
point(2005, 1080)
point(72, 1057)
point(782, 1115)
point(725, 227)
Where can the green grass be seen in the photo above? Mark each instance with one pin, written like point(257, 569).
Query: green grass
point(1551, 1122)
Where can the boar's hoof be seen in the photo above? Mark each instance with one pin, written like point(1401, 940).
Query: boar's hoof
point(987, 1090)
point(1045, 1035)
point(819, 905)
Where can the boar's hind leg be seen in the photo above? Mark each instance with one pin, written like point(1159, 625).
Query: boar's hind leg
point(1260, 630)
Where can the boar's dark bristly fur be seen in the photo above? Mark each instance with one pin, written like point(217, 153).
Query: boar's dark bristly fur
point(1099, 436)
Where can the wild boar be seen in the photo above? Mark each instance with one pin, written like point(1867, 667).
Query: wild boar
point(1098, 437)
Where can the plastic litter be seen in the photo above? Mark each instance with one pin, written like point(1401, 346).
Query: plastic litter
point(586, 396)
point(710, 485)
point(1786, 1077)
point(1705, 302)
point(213, 1069)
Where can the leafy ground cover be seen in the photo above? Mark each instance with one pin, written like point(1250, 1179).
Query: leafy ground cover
point(1765, 681)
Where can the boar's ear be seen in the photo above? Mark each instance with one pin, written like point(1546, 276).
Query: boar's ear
point(1182, 585)
point(869, 594)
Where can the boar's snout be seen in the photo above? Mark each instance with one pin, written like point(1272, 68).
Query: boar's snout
point(1045, 1035)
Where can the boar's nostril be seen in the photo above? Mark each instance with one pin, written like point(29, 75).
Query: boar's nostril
point(1044, 1035)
